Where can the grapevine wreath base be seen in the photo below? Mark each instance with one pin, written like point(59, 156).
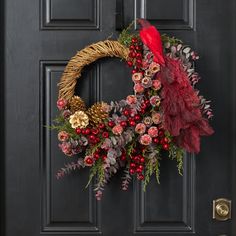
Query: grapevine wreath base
point(165, 114)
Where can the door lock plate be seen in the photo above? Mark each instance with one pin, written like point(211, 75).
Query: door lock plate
point(222, 209)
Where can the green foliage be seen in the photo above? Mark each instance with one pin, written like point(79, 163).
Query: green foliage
point(126, 36)
point(171, 40)
point(178, 154)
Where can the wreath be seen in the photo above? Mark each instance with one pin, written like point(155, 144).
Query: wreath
point(165, 114)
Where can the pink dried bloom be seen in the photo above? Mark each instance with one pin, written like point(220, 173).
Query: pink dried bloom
point(145, 139)
point(140, 128)
point(63, 136)
point(156, 84)
point(66, 114)
point(155, 101)
point(136, 77)
point(117, 129)
point(138, 88)
point(154, 67)
point(61, 103)
point(66, 148)
point(153, 131)
point(147, 82)
point(147, 121)
point(131, 99)
point(156, 118)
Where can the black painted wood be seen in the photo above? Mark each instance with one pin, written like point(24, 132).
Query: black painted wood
point(37, 42)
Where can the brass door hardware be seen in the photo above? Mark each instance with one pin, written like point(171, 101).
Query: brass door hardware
point(222, 209)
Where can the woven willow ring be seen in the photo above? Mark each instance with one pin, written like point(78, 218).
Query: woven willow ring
point(164, 117)
point(84, 57)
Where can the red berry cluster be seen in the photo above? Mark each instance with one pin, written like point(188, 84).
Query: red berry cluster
point(94, 135)
point(135, 55)
point(137, 164)
point(131, 120)
point(144, 106)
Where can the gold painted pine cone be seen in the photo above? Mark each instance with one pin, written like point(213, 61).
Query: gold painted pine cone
point(97, 113)
point(76, 104)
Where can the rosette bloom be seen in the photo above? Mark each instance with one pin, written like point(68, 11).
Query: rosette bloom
point(156, 117)
point(155, 101)
point(153, 131)
point(117, 129)
point(140, 128)
point(136, 77)
point(88, 161)
point(138, 88)
point(79, 120)
point(145, 139)
point(131, 99)
point(156, 84)
point(63, 136)
point(61, 103)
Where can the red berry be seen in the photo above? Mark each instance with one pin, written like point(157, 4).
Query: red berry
point(140, 177)
point(123, 157)
point(97, 139)
point(111, 124)
point(132, 165)
point(139, 61)
point(129, 63)
point(78, 130)
point(132, 171)
point(92, 137)
point(166, 140)
point(134, 40)
point(126, 112)
point(132, 123)
point(165, 146)
point(96, 156)
point(105, 134)
point(89, 161)
point(138, 48)
point(104, 157)
point(137, 117)
point(131, 47)
point(140, 167)
point(134, 71)
point(139, 171)
point(142, 159)
point(161, 133)
point(95, 131)
point(87, 131)
point(136, 158)
point(83, 131)
point(155, 140)
point(101, 126)
point(123, 123)
point(138, 54)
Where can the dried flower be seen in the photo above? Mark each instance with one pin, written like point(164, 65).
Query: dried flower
point(136, 77)
point(148, 73)
point(147, 121)
point(155, 101)
point(61, 103)
point(63, 136)
point(66, 114)
point(88, 161)
point(154, 67)
point(145, 139)
point(140, 128)
point(66, 148)
point(153, 131)
point(156, 84)
point(138, 88)
point(79, 120)
point(131, 99)
point(117, 129)
point(147, 82)
point(156, 117)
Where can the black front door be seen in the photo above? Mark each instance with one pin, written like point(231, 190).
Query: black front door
point(39, 38)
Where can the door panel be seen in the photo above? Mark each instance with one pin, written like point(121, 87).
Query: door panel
point(40, 37)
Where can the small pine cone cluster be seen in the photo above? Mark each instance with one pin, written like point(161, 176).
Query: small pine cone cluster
point(97, 113)
point(76, 104)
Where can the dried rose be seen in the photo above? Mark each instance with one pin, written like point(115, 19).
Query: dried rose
point(63, 136)
point(154, 67)
point(156, 117)
point(140, 128)
point(155, 101)
point(136, 77)
point(147, 121)
point(117, 129)
point(156, 84)
point(138, 88)
point(66, 148)
point(145, 139)
point(131, 99)
point(79, 120)
point(153, 131)
point(61, 103)
point(147, 82)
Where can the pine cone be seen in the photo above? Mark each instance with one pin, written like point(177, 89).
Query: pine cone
point(76, 104)
point(97, 113)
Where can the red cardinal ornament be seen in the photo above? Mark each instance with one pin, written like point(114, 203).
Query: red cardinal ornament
point(152, 39)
